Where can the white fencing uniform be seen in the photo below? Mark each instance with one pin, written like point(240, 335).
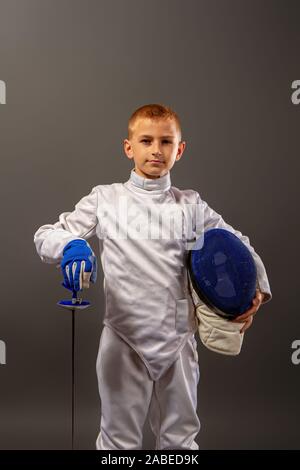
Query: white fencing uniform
point(147, 345)
point(127, 394)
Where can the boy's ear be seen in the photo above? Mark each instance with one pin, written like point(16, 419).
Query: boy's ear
point(181, 147)
point(127, 149)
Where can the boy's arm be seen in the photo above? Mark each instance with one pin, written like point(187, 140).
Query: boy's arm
point(51, 239)
point(214, 220)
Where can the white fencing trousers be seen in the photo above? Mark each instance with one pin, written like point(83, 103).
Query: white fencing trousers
point(127, 393)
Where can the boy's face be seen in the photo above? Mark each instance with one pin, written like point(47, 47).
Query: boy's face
point(154, 147)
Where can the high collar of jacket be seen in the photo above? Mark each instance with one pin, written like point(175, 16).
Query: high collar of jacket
point(161, 184)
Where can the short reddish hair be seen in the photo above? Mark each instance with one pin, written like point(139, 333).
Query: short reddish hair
point(153, 111)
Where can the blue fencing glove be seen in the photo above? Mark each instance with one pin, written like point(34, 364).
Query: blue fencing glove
point(79, 265)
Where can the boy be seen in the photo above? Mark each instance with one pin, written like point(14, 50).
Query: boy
point(147, 359)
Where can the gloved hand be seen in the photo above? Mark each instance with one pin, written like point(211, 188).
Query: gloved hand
point(79, 265)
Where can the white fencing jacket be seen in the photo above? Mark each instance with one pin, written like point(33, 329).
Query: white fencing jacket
point(144, 259)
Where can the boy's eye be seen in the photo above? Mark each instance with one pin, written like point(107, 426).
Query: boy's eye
point(164, 141)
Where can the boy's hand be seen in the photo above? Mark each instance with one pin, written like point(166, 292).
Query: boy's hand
point(79, 265)
point(248, 315)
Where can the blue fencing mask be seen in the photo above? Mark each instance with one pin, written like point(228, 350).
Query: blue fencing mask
point(223, 273)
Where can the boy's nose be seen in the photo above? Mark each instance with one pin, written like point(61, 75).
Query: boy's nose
point(156, 150)
point(155, 146)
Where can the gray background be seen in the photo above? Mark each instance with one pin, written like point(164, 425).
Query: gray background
point(75, 71)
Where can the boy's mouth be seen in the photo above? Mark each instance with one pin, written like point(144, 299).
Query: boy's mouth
point(155, 161)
